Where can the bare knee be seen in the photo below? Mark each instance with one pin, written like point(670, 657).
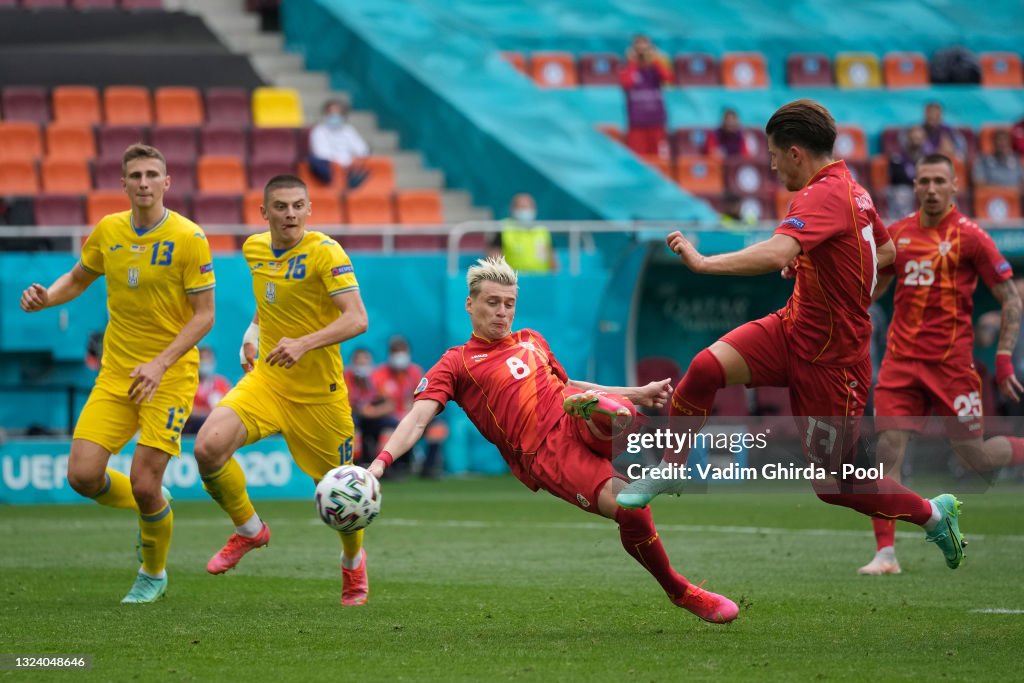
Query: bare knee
point(147, 494)
point(891, 445)
point(88, 484)
point(217, 441)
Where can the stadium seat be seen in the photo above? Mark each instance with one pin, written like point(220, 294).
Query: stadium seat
point(251, 203)
point(8, 4)
point(178, 143)
point(59, 209)
point(182, 203)
point(986, 135)
point(276, 108)
point(136, 5)
point(600, 68)
point(114, 140)
point(808, 70)
point(996, 203)
point(516, 59)
point(857, 70)
point(663, 166)
point(905, 70)
point(222, 139)
point(369, 208)
point(25, 103)
point(892, 140)
point(273, 144)
point(612, 131)
point(339, 178)
point(860, 170)
point(326, 208)
point(879, 173)
point(88, 5)
point(76, 104)
point(70, 141)
point(216, 174)
point(65, 176)
point(746, 176)
point(381, 176)
point(1001, 70)
point(216, 209)
point(178, 106)
point(699, 174)
point(230, 106)
point(127, 105)
point(756, 141)
point(18, 176)
point(100, 203)
point(689, 141)
point(851, 143)
point(20, 140)
point(419, 207)
point(44, 4)
point(553, 69)
point(697, 68)
point(183, 177)
point(106, 172)
point(262, 171)
point(744, 70)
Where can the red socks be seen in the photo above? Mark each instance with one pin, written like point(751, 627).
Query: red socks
point(640, 539)
point(695, 395)
point(885, 532)
point(883, 498)
point(1017, 450)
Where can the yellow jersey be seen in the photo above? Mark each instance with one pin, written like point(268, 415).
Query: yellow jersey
point(293, 290)
point(149, 275)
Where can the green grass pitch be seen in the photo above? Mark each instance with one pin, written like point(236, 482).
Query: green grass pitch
point(480, 580)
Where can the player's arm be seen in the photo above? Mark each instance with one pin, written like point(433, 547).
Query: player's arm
point(250, 344)
point(64, 289)
point(886, 254)
point(882, 286)
point(652, 395)
point(1009, 329)
point(768, 256)
point(351, 322)
point(406, 435)
point(146, 377)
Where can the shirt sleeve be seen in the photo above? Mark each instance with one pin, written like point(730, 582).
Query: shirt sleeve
point(92, 251)
point(809, 221)
point(991, 265)
point(556, 366)
point(357, 145)
point(198, 275)
point(335, 268)
point(440, 382)
point(319, 146)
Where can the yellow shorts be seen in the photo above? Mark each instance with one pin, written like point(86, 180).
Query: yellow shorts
point(111, 419)
point(319, 435)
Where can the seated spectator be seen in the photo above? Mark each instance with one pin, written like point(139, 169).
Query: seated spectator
point(902, 169)
point(940, 138)
point(642, 78)
point(1002, 167)
point(212, 388)
point(727, 140)
point(732, 216)
point(335, 140)
point(371, 412)
point(526, 244)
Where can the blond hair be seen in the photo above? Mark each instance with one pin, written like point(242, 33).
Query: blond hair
point(491, 269)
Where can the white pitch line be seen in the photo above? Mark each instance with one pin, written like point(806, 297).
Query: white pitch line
point(998, 610)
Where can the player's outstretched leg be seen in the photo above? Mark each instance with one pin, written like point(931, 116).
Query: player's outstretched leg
point(884, 561)
point(355, 583)
point(588, 404)
point(944, 529)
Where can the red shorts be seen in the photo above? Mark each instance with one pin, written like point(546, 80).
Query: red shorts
point(815, 391)
point(572, 463)
point(909, 390)
point(648, 140)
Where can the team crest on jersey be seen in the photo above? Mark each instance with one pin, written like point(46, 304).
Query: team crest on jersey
point(270, 293)
point(422, 386)
point(138, 248)
point(944, 248)
point(903, 241)
point(133, 277)
point(528, 346)
point(582, 501)
point(273, 265)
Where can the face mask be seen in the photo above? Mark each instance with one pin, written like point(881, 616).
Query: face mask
point(335, 120)
point(362, 371)
point(207, 369)
point(524, 215)
point(399, 360)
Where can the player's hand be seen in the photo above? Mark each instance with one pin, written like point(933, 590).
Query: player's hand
point(789, 272)
point(686, 252)
point(145, 380)
point(248, 356)
point(655, 394)
point(35, 298)
point(287, 352)
point(1011, 388)
point(376, 469)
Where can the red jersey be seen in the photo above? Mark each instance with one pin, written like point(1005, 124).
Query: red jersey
point(209, 392)
point(839, 231)
point(511, 389)
point(361, 392)
point(397, 385)
point(936, 273)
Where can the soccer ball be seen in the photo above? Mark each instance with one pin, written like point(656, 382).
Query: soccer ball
point(348, 498)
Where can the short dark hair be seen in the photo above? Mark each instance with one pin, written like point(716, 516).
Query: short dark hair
point(936, 158)
point(282, 181)
point(803, 123)
point(334, 102)
point(141, 151)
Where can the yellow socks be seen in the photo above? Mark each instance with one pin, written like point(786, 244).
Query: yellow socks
point(155, 530)
point(117, 492)
point(351, 544)
point(227, 487)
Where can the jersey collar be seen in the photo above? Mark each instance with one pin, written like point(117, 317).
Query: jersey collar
point(834, 168)
point(142, 230)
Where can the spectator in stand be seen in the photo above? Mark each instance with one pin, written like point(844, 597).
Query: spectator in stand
point(526, 244)
point(1017, 132)
point(642, 78)
point(940, 138)
point(1002, 167)
point(902, 169)
point(727, 141)
point(370, 410)
point(336, 140)
point(212, 388)
point(732, 216)
point(398, 380)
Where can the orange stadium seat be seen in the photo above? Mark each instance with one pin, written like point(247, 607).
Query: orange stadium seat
point(697, 68)
point(744, 70)
point(179, 106)
point(65, 176)
point(18, 176)
point(326, 208)
point(339, 183)
point(276, 108)
point(220, 175)
point(700, 174)
point(1001, 70)
point(381, 176)
point(858, 70)
point(516, 59)
point(986, 136)
point(70, 141)
point(178, 143)
point(879, 173)
point(809, 69)
point(59, 209)
point(851, 143)
point(369, 208)
point(553, 69)
point(419, 207)
point(26, 103)
point(996, 203)
point(76, 104)
point(599, 68)
point(905, 70)
point(251, 203)
point(20, 140)
point(126, 105)
point(100, 203)
point(664, 166)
